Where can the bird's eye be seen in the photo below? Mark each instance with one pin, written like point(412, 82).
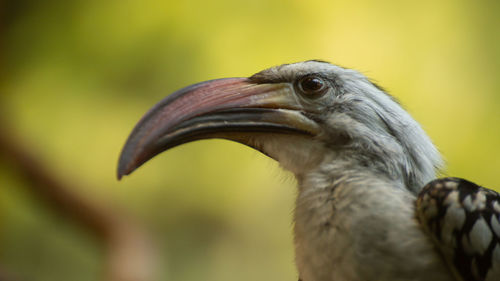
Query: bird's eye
point(312, 86)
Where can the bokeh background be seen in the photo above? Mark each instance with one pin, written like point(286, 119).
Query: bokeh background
point(77, 75)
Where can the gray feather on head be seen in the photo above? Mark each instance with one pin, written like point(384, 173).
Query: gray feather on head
point(363, 123)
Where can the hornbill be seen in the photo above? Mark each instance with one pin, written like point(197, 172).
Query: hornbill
point(368, 204)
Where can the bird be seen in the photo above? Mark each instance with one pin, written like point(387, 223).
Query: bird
point(369, 204)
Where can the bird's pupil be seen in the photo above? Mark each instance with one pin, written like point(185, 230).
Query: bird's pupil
point(312, 84)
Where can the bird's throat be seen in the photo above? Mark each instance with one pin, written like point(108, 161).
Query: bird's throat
point(332, 213)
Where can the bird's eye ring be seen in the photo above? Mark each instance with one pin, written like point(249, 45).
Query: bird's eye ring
point(312, 85)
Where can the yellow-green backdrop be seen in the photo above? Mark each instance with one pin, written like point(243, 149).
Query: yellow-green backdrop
point(77, 75)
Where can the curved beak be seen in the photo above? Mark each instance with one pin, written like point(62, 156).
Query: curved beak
point(231, 108)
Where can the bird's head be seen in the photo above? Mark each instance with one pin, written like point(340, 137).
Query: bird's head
point(304, 115)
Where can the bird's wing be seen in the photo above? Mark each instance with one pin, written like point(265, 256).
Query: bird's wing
point(463, 220)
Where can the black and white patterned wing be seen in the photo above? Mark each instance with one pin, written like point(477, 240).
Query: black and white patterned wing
point(464, 222)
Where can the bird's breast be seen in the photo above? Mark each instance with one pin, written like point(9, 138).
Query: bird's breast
point(358, 231)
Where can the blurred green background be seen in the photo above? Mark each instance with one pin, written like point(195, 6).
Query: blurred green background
point(77, 75)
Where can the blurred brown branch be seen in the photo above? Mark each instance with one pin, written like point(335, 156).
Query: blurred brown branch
point(129, 252)
point(129, 249)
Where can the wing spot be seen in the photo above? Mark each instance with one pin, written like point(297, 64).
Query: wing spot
point(480, 201)
point(451, 184)
point(468, 203)
point(453, 221)
point(480, 236)
point(452, 198)
point(496, 206)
